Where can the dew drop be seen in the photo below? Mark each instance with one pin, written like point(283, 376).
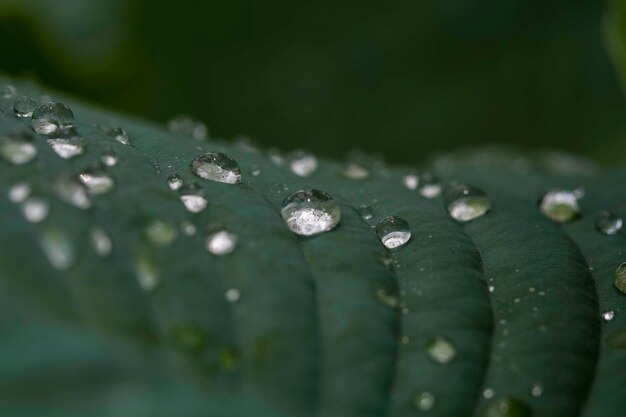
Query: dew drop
point(72, 191)
point(175, 182)
point(100, 241)
point(488, 393)
point(536, 390)
point(24, 107)
point(366, 212)
point(608, 223)
point(440, 349)
point(96, 180)
point(67, 147)
point(424, 401)
point(506, 407)
point(429, 185)
point(303, 164)
point(232, 295)
point(188, 126)
point(160, 233)
point(193, 198)
point(18, 148)
point(188, 228)
point(617, 339)
point(216, 166)
point(393, 231)
point(608, 315)
point(310, 212)
point(7, 91)
point(619, 278)
point(35, 210)
point(19, 192)
point(109, 158)
point(560, 205)
point(355, 171)
point(276, 157)
point(49, 117)
point(221, 242)
point(119, 135)
point(465, 202)
point(256, 171)
point(410, 181)
point(57, 247)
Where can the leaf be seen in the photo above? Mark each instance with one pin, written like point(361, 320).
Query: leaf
point(614, 26)
point(329, 325)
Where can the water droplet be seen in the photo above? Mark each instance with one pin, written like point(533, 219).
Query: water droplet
point(440, 349)
point(19, 192)
point(366, 212)
point(160, 233)
point(560, 205)
point(619, 278)
point(424, 401)
point(146, 272)
point(303, 164)
point(388, 296)
point(7, 91)
point(18, 148)
point(49, 117)
point(220, 241)
point(96, 180)
point(188, 228)
point(507, 407)
point(193, 197)
point(216, 166)
point(465, 202)
point(175, 182)
point(256, 171)
point(617, 339)
point(488, 393)
point(188, 126)
point(491, 288)
point(410, 181)
point(536, 390)
point(57, 247)
point(109, 158)
point(429, 185)
point(24, 107)
point(67, 146)
point(276, 157)
point(310, 212)
point(35, 210)
point(100, 241)
point(355, 171)
point(71, 191)
point(232, 295)
point(393, 231)
point(119, 135)
point(608, 223)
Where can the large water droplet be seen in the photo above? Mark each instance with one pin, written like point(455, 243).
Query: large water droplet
point(24, 107)
point(109, 158)
point(355, 171)
point(424, 401)
point(96, 180)
point(216, 166)
point(57, 247)
point(71, 191)
point(174, 182)
point(303, 164)
point(220, 241)
point(119, 135)
point(7, 91)
point(100, 241)
point(619, 278)
point(608, 223)
point(560, 205)
point(19, 192)
point(410, 181)
point(35, 210)
point(429, 185)
point(617, 339)
point(465, 202)
point(393, 231)
point(161, 233)
point(440, 349)
point(506, 407)
point(310, 212)
point(18, 148)
point(193, 197)
point(188, 126)
point(49, 117)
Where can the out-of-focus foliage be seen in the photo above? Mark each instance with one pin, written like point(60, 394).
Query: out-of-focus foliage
point(615, 32)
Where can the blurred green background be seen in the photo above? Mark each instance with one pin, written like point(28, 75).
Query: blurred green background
point(401, 78)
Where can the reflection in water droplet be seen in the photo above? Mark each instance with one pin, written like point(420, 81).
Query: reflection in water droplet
point(608, 315)
point(96, 181)
point(193, 197)
point(57, 247)
point(410, 181)
point(429, 185)
point(303, 164)
point(35, 210)
point(175, 182)
point(617, 339)
point(608, 223)
point(232, 295)
point(160, 233)
point(216, 166)
point(424, 401)
point(310, 212)
point(366, 212)
point(619, 278)
point(7, 91)
point(18, 148)
point(100, 241)
point(24, 107)
point(109, 158)
point(560, 205)
point(465, 202)
point(71, 191)
point(355, 171)
point(49, 117)
point(440, 349)
point(221, 242)
point(188, 126)
point(119, 135)
point(507, 407)
point(19, 192)
point(393, 231)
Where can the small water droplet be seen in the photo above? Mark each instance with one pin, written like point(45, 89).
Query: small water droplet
point(410, 181)
point(216, 166)
point(560, 205)
point(35, 210)
point(488, 393)
point(617, 339)
point(71, 191)
point(491, 288)
point(256, 171)
point(109, 158)
point(440, 349)
point(160, 233)
point(221, 242)
point(188, 228)
point(100, 241)
point(310, 212)
point(393, 231)
point(57, 247)
point(608, 315)
point(465, 202)
point(119, 135)
point(175, 182)
point(424, 401)
point(18, 148)
point(536, 390)
point(232, 295)
point(49, 117)
point(19, 192)
point(355, 171)
point(96, 180)
point(429, 185)
point(619, 278)
point(193, 197)
point(146, 272)
point(388, 296)
point(507, 407)
point(303, 164)
point(366, 212)
point(188, 126)
point(24, 107)
point(7, 91)
point(608, 223)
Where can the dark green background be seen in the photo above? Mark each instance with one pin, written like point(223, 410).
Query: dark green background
point(402, 78)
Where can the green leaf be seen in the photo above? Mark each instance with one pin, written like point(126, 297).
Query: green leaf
point(328, 325)
point(614, 26)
